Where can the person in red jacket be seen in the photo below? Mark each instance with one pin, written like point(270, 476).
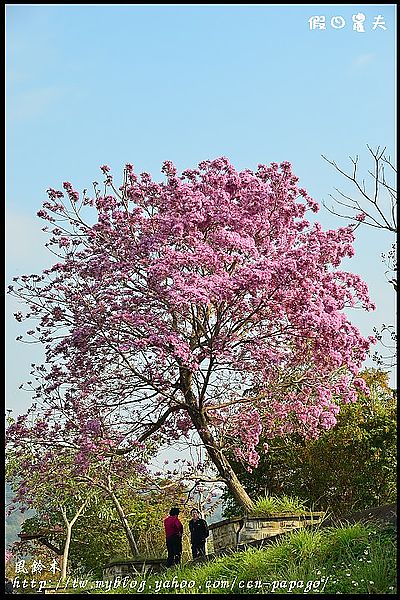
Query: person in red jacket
point(173, 535)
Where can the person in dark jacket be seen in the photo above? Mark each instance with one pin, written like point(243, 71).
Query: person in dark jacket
point(173, 536)
point(9, 586)
point(198, 533)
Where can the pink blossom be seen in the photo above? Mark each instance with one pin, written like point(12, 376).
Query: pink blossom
point(361, 385)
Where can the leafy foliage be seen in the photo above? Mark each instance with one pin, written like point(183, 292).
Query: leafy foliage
point(350, 467)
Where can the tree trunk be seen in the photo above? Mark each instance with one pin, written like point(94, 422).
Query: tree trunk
point(66, 552)
point(67, 544)
point(125, 524)
point(220, 461)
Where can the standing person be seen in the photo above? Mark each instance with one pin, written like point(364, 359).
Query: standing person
point(198, 533)
point(173, 536)
point(9, 586)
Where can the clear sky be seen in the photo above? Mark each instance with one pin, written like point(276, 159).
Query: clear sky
point(88, 85)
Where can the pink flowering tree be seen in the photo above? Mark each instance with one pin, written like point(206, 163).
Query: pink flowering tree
point(205, 303)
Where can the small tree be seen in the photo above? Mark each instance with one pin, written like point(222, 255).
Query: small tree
point(206, 304)
point(49, 489)
point(50, 452)
point(97, 535)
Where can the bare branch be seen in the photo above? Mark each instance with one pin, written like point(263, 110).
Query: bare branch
point(377, 214)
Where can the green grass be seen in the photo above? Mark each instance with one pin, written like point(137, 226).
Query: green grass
point(278, 504)
point(353, 559)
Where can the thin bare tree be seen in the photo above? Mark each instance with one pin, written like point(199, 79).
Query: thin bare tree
point(373, 204)
point(377, 206)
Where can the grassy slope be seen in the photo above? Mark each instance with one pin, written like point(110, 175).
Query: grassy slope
point(354, 559)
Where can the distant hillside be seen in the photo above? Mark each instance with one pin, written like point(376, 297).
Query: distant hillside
point(14, 521)
point(216, 515)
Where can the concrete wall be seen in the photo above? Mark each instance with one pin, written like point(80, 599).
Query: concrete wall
point(232, 532)
point(129, 567)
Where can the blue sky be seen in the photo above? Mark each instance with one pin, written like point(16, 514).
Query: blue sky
point(88, 85)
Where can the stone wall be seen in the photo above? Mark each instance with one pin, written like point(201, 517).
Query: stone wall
point(224, 534)
point(129, 567)
point(242, 530)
